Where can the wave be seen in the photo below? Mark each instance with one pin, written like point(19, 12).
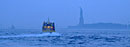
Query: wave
point(32, 35)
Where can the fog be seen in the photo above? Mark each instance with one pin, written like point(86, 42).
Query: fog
point(30, 14)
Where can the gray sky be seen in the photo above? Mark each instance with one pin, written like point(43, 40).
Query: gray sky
point(31, 13)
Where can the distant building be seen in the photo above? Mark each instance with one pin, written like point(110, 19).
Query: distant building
point(12, 27)
point(81, 24)
point(81, 20)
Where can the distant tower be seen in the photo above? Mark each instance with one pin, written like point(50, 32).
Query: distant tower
point(128, 26)
point(81, 20)
point(12, 27)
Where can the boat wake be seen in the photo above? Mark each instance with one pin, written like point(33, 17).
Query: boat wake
point(32, 35)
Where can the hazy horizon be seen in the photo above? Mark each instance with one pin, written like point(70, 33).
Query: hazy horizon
point(32, 13)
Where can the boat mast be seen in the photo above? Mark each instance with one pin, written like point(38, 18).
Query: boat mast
point(48, 20)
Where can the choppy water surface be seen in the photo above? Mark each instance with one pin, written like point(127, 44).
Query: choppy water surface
point(69, 38)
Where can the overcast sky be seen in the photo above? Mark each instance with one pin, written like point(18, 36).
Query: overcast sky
point(32, 13)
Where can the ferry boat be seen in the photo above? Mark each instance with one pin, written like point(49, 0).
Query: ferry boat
point(48, 26)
